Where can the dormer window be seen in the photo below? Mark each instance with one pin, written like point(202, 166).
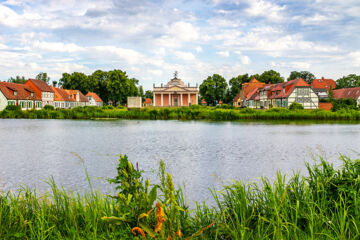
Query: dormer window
point(284, 90)
point(15, 93)
point(32, 94)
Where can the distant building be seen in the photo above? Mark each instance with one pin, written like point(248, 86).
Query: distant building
point(175, 94)
point(42, 90)
point(148, 102)
point(62, 99)
point(203, 102)
point(322, 87)
point(246, 89)
point(353, 93)
point(78, 98)
point(19, 95)
point(94, 99)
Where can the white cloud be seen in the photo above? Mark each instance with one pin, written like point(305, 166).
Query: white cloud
point(266, 9)
point(57, 47)
point(198, 49)
point(186, 56)
point(223, 53)
point(355, 58)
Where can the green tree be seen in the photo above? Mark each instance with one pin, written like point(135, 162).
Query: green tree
point(271, 76)
point(120, 86)
point(17, 79)
point(54, 83)
point(213, 89)
point(99, 80)
point(307, 76)
point(141, 93)
point(43, 76)
point(78, 81)
point(149, 94)
point(349, 81)
point(235, 86)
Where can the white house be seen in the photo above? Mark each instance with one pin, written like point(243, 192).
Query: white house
point(19, 95)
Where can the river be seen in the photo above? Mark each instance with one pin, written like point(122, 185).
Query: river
point(199, 154)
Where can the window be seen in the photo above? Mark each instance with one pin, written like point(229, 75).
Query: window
point(32, 94)
point(29, 104)
point(15, 93)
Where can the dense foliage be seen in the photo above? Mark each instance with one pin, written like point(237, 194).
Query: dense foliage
point(344, 104)
point(296, 106)
point(349, 81)
point(213, 89)
point(196, 112)
point(307, 76)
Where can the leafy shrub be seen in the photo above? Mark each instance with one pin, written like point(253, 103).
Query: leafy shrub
point(120, 107)
point(296, 106)
point(108, 107)
point(247, 110)
point(12, 108)
point(278, 109)
point(49, 107)
point(225, 106)
point(347, 104)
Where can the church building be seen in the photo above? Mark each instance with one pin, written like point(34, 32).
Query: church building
point(175, 94)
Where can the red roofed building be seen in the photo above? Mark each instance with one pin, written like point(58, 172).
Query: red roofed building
point(78, 98)
point(323, 83)
point(61, 98)
point(42, 90)
point(283, 94)
point(19, 95)
point(94, 99)
point(353, 93)
point(147, 102)
point(246, 89)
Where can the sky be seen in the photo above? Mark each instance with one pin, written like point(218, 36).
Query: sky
point(152, 39)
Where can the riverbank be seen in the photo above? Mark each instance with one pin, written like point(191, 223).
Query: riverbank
point(184, 113)
point(324, 205)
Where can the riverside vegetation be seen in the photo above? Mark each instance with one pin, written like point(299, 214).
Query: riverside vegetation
point(323, 205)
point(224, 112)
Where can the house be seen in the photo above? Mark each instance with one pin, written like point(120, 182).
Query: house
point(19, 95)
point(61, 98)
point(175, 93)
point(322, 87)
point(353, 93)
point(246, 89)
point(253, 99)
point(147, 102)
point(42, 90)
point(203, 102)
point(283, 94)
point(78, 98)
point(94, 99)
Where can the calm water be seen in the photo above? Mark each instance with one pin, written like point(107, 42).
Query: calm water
point(200, 154)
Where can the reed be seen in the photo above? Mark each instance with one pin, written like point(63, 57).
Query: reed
point(324, 204)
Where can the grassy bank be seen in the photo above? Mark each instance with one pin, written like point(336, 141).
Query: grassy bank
point(185, 113)
point(323, 205)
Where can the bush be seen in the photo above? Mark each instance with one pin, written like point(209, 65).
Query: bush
point(120, 107)
point(296, 106)
point(346, 104)
point(225, 106)
point(49, 107)
point(108, 107)
point(13, 108)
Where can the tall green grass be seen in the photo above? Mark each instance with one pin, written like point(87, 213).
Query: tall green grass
point(324, 204)
point(185, 113)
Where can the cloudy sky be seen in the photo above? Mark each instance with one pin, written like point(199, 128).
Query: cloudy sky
point(152, 39)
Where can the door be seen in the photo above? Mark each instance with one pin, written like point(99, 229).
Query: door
point(175, 102)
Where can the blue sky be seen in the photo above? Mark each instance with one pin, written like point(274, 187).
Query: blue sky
point(152, 39)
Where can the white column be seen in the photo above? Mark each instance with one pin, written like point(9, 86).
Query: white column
point(169, 99)
point(189, 99)
point(162, 99)
point(181, 102)
point(154, 99)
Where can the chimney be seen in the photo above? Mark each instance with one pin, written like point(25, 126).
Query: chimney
point(153, 85)
point(188, 84)
point(322, 78)
point(161, 85)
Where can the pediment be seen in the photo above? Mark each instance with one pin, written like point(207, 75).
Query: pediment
point(171, 89)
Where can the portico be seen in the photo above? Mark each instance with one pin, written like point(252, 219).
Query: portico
point(175, 94)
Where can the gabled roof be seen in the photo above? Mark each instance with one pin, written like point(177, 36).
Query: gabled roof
point(95, 96)
point(288, 86)
point(353, 93)
point(323, 83)
point(61, 95)
point(83, 98)
point(23, 92)
point(252, 95)
point(41, 85)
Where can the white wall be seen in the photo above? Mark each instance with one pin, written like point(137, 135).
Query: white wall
point(313, 104)
point(3, 101)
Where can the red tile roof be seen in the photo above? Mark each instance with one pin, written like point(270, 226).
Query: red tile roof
point(41, 85)
point(23, 92)
point(353, 93)
point(61, 95)
point(277, 90)
point(148, 100)
point(323, 83)
point(83, 98)
point(96, 97)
